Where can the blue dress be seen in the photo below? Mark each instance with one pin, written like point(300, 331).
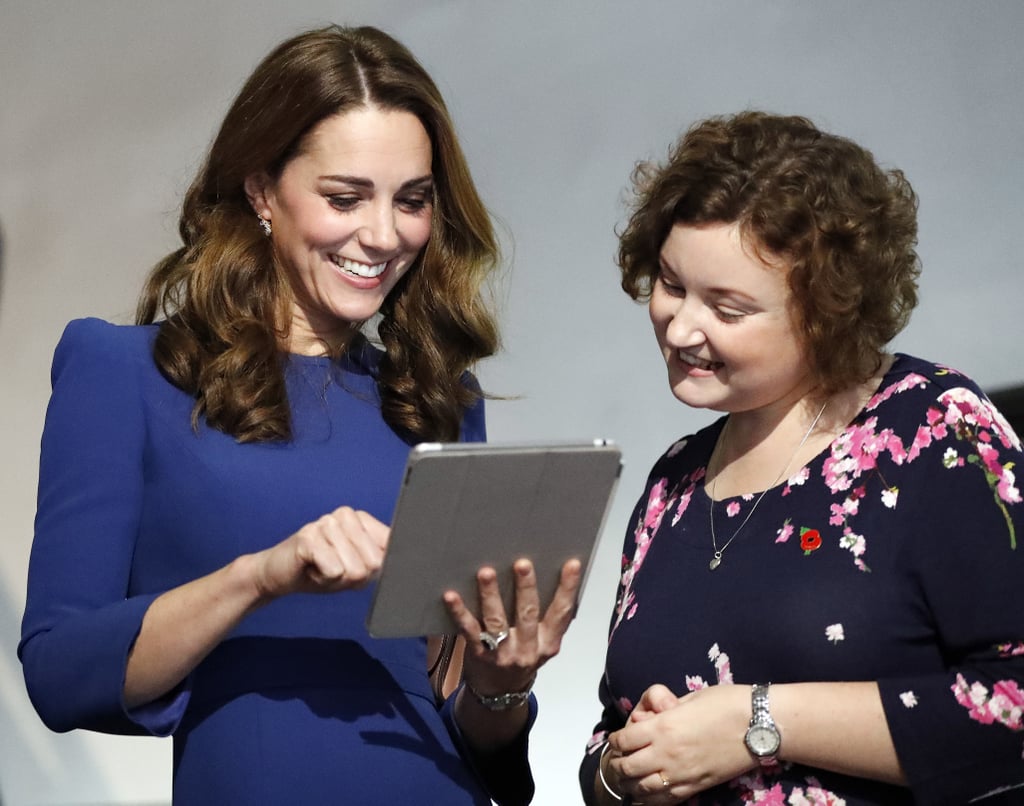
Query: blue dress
point(299, 704)
point(896, 555)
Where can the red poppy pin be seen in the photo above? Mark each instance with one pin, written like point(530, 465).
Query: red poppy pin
point(810, 539)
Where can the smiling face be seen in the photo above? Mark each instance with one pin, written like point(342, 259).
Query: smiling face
point(723, 323)
point(350, 213)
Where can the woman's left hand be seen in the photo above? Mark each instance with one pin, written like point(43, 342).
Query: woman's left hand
point(674, 747)
point(523, 643)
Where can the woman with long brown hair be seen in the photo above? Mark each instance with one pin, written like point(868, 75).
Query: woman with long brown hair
point(207, 471)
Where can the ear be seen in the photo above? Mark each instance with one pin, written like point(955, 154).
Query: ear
point(257, 190)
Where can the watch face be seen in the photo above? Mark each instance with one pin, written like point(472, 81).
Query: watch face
point(763, 740)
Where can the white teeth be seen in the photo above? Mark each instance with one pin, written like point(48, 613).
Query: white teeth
point(359, 269)
point(693, 361)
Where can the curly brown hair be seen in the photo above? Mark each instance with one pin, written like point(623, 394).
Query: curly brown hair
point(224, 301)
point(844, 228)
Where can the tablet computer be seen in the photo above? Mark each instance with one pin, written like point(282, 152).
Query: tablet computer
point(466, 505)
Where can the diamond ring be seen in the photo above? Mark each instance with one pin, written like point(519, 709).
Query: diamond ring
point(491, 640)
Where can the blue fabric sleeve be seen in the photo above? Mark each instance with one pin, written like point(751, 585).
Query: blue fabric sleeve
point(80, 620)
point(505, 773)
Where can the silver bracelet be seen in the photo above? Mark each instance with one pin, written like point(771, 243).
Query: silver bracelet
point(503, 702)
point(600, 774)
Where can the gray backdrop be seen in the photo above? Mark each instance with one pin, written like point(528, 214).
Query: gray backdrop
point(106, 107)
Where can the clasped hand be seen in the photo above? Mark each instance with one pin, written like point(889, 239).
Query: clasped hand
point(673, 747)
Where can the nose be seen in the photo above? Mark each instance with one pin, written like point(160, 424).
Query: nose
point(684, 328)
point(379, 230)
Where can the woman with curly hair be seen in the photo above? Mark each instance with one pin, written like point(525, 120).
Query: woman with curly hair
point(206, 472)
point(821, 598)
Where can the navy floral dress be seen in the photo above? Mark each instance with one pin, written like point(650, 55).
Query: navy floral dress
point(893, 556)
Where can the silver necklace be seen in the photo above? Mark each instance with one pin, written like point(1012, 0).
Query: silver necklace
point(716, 559)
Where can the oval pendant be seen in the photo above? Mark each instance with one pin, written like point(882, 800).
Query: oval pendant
point(715, 562)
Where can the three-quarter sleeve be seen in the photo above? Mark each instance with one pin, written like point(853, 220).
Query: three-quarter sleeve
point(80, 622)
point(960, 734)
point(505, 772)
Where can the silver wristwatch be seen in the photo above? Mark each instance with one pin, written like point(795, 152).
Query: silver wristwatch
point(763, 738)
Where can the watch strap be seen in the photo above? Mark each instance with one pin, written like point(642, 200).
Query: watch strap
point(760, 721)
point(760, 714)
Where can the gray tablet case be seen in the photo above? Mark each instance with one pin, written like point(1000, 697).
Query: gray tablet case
point(466, 505)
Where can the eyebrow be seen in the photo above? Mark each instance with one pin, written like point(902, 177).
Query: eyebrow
point(361, 181)
point(715, 290)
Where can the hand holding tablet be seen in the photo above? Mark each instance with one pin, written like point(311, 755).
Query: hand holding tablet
point(464, 506)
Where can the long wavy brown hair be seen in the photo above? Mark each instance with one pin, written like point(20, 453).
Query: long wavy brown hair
point(843, 228)
point(222, 300)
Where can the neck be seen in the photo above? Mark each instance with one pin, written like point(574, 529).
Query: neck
point(783, 422)
point(755, 450)
point(301, 339)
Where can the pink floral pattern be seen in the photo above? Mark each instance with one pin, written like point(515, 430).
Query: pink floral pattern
point(855, 455)
point(984, 431)
point(816, 570)
point(814, 795)
point(660, 499)
point(758, 787)
point(1004, 706)
point(596, 741)
point(853, 459)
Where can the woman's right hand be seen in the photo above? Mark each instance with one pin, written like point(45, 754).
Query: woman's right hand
point(342, 550)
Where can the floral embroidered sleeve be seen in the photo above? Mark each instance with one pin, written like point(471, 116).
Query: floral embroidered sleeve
point(960, 735)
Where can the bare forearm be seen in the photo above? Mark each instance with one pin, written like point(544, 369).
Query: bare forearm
point(340, 550)
point(836, 726)
point(697, 741)
point(183, 625)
